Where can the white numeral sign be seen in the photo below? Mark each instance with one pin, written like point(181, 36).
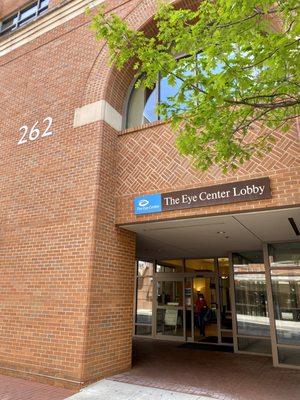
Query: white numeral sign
point(34, 132)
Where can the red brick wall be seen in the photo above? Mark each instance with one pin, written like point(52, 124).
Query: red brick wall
point(67, 271)
point(109, 320)
point(60, 317)
point(9, 6)
point(148, 162)
point(48, 202)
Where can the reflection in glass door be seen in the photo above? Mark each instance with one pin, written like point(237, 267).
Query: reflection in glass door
point(170, 317)
point(224, 273)
point(206, 310)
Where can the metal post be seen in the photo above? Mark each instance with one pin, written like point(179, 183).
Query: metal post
point(233, 309)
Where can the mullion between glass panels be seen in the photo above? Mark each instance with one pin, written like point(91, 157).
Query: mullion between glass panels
point(158, 95)
point(18, 19)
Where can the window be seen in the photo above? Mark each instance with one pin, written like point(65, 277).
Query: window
point(23, 16)
point(143, 101)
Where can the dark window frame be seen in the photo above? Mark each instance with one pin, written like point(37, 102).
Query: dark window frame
point(35, 5)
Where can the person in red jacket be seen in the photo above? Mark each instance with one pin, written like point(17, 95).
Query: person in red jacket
point(201, 310)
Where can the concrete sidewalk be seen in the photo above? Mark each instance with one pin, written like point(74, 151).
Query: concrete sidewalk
point(111, 390)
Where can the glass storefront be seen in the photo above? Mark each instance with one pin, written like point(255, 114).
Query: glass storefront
point(252, 316)
point(252, 301)
point(285, 280)
point(251, 305)
point(176, 285)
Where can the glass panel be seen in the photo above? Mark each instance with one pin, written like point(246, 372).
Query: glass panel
point(151, 98)
point(285, 255)
point(170, 266)
point(283, 272)
point(143, 102)
point(205, 309)
point(225, 306)
point(28, 13)
point(285, 278)
point(144, 293)
point(251, 304)
point(44, 4)
point(286, 298)
point(9, 23)
point(254, 345)
point(142, 107)
point(224, 268)
point(169, 322)
point(166, 90)
point(200, 264)
point(143, 330)
point(251, 261)
point(136, 108)
point(145, 268)
point(289, 356)
point(188, 321)
point(188, 292)
point(170, 293)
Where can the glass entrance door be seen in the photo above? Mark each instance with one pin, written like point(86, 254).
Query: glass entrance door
point(176, 310)
point(170, 316)
point(206, 309)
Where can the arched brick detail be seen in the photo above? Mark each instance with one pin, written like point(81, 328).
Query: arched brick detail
point(169, 170)
point(111, 84)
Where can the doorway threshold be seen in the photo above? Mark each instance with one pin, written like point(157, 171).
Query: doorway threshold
point(207, 346)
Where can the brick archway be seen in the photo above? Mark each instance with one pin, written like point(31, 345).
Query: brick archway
point(112, 85)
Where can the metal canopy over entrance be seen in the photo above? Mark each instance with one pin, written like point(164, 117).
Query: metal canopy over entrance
point(224, 280)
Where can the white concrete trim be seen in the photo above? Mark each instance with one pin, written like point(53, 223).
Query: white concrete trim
point(45, 23)
point(99, 111)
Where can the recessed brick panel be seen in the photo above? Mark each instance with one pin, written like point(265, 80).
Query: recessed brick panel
point(148, 162)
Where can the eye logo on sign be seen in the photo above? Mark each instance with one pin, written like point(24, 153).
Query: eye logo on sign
point(143, 203)
point(148, 204)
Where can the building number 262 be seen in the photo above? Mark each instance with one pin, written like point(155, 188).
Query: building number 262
point(34, 133)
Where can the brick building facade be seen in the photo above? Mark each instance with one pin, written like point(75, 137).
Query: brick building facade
point(67, 287)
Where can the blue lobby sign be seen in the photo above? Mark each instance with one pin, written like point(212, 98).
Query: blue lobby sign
point(148, 204)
